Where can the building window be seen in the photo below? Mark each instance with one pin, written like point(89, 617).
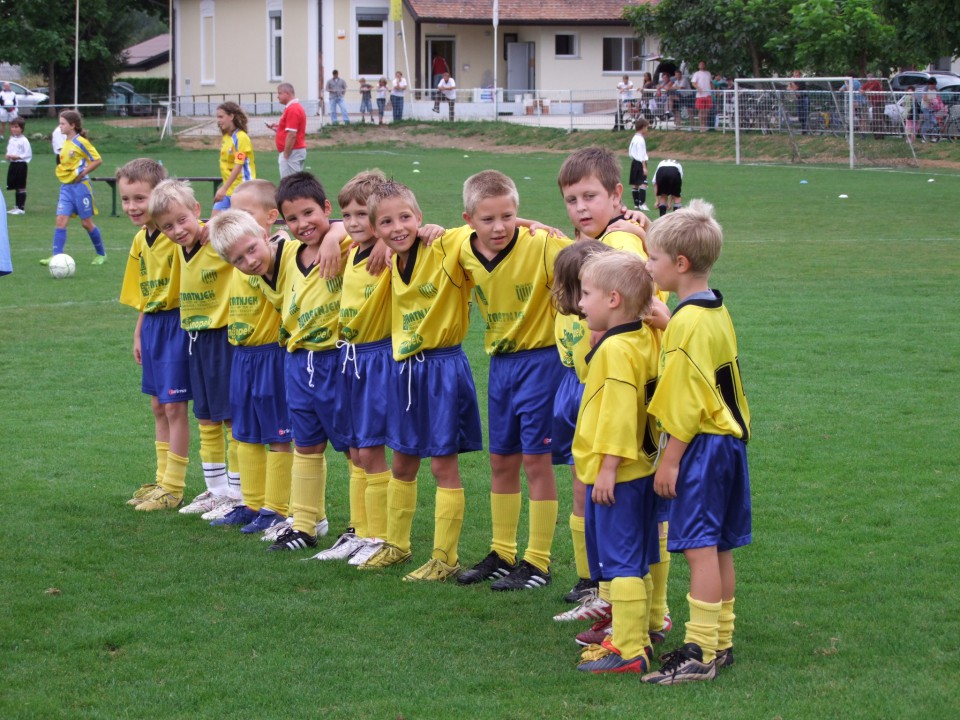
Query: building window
point(622, 54)
point(275, 25)
point(565, 45)
point(371, 41)
point(208, 50)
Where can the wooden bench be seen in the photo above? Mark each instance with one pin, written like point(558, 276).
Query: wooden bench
point(112, 183)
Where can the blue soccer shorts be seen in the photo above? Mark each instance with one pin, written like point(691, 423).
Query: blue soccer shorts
point(163, 354)
point(432, 405)
point(522, 387)
point(566, 407)
point(211, 356)
point(712, 506)
point(258, 395)
point(76, 199)
point(622, 539)
point(311, 397)
point(363, 377)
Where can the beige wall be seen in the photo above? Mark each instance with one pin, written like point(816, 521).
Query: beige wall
point(159, 71)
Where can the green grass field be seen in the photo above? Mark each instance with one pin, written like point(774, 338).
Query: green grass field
point(847, 315)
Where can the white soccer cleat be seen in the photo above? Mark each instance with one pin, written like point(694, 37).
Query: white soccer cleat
point(366, 551)
point(271, 534)
point(204, 502)
point(345, 546)
point(590, 608)
point(222, 508)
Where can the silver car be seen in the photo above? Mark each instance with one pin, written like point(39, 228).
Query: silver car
point(27, 100)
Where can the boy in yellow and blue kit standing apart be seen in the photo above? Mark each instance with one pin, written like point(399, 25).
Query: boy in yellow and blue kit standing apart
point(257, 389)
point(204, 302)
point(513, 273)
point(615, 448)
point(431, 399)
point(151, 284)
point(700, 404)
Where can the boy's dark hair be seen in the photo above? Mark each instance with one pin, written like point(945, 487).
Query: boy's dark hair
point(595, 161)
point(18, 122)
point(641, 124)
point(143, 170)
point(566, 274)
point(300, 185)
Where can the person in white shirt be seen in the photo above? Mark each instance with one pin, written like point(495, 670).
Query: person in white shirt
point(638, 164)
point(18, 155)
point(8, 108)
point(624, 101)
point(703, 83)
point(57, 139)
point(397, 95)
point(447, 91)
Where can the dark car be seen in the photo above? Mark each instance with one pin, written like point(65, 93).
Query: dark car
point(902, 81)
point(124, 100)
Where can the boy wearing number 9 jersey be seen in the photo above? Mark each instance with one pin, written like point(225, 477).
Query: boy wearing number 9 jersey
point(699, 402)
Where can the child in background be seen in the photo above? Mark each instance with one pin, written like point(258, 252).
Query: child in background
point(366, 371)
point(638, 164)
point(258, 404)
point(366, 106)
point(382, 91)
point(700, 405)
point(78, 159)
point(615, 449)
point(204, 304)
point(431, 401)
point(18, 155)
point(513, 273)
point(236, 154)
point(668, 186)
point(151, 284)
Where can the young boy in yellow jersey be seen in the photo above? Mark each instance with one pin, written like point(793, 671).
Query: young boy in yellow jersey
point(204, 302)
point(366, 366)
point(615, 448)
point(590, 186)
point(258, 401)
point(151, 284)
point(310, 317)
point(431, 399)
point(513, 273)
point(700, 405)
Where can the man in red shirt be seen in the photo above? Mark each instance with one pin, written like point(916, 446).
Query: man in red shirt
point(291, 132)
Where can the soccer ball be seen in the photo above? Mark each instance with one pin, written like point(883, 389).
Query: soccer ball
point(62, 266)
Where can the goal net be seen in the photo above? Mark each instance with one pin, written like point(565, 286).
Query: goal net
point(819, 120)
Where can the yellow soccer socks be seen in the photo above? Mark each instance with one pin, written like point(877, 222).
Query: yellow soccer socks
point(277, 493)
point(308, 491)
point(727, 617)
point(704, 627)
point(543, 523)
point(213, 457)
point(505, 516)
point(175, 474)
point(234, 490)
point(448, 521)
point(162, 449)
point(660, 572)
point(401, 506)
point(358, 492)
point(629, 600)
point(375, 500)
point(252, 462)
point(578, 535)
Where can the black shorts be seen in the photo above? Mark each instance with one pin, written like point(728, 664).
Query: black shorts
point(637, 175)
point(17, 176)
point(668, 181)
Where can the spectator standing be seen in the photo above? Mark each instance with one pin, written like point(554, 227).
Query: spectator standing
point(447, 91)
point(382, 91)
point(8, 108)
point(291, 132)
point(336, 89)
point(624, 101)
point(366, 106)
point(703, 84)
point(397, 95)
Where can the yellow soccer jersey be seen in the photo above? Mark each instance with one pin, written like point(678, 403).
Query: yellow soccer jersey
point(252, 320)
point(365, 302)
point(311, 304)
point(74, 157)
point(613, 420)
point(514, 290)
point(572, 337)
point(151, 279)
point(236, 149)
point(431, 297)
point(274, 288)
point(699, 390)
point(204, 289)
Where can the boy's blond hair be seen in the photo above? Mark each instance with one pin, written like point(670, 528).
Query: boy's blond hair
point(387, 191)
point(623, 272)
point(591, 161)
point(228, 228)
point(360, 186)
point(263, 191)
point(693, 232)
point(169, 193)
point(488, 184)
point(146, 170)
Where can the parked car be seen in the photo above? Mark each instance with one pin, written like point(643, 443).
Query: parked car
point(911, 78)
point(124, 100)
point(27, 100)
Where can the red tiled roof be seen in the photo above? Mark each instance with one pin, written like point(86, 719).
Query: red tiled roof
point(523, 12)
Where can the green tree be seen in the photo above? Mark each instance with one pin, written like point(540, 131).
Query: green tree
point(925, 31)
point(40, 37)
point(731, 36)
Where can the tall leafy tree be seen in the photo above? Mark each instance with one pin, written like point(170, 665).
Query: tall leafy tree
point(926, 30)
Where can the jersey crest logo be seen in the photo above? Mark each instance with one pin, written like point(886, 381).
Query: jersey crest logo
point(480, 295)
point(524, 291)
point(334, 285)
point(253, 281)
point(169, 261)
point(143, 267)
point(428, 290)
point(572, 337)
point(368, 291)
point(208, 276)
